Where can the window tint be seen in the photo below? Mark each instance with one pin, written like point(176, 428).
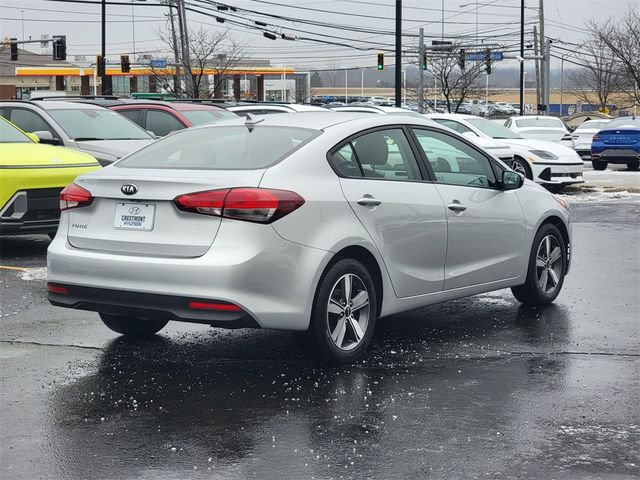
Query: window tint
point(134, 115)
point(29, 121)
point(162, 123)
point(454, 162)
point(386, 154)
point(457, 126)
point(221, 148)
point(344, 161)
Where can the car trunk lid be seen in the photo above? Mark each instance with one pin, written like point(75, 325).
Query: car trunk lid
point(622, 136)
point(147, 221)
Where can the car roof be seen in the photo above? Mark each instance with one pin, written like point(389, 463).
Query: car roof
point(325, 119)
point(63, 105)
point(181, 107)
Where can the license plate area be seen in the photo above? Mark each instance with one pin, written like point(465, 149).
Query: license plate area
point(134, 216)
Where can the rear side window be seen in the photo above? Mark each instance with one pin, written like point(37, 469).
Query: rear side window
point(221, 148)
point(382, 154)
point(162, 123)
point(134, 115)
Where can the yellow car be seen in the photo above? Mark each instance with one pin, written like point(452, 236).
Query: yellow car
point(31, 178)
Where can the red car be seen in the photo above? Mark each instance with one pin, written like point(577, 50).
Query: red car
point(163, 118)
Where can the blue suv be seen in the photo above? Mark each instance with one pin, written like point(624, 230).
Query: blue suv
point(619, 142)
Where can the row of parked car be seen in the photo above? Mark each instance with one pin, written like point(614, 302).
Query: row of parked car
point(107, 128)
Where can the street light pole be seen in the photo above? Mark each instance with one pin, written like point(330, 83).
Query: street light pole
point(398, 71)
point(522, 56)
point(107, 88)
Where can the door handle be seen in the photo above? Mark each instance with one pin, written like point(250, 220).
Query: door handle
point(456, 206)
point(368, 201)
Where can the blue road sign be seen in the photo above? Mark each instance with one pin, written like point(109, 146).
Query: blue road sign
point(479, 56)
point(158, 64)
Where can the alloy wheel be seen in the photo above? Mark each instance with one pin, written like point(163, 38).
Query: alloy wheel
point(518, 167)
point(549, 264)
point(348, 312)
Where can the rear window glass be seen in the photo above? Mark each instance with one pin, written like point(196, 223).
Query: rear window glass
point(539, 122)
point(221, 148)
point(198, 117)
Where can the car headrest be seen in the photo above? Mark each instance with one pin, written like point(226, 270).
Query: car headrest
point(372, 149)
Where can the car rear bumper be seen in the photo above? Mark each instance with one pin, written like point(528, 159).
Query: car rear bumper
point(615, 155)
point(249, 265)
point(137, 304)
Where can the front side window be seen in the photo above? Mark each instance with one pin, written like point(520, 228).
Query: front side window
point(97, 124)
point(457, 126)
point(383, 155)
point(9, 134)
point(221, 148)
point(454, 162)
point(29, 121)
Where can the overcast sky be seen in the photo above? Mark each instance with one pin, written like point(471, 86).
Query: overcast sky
point(368, 24)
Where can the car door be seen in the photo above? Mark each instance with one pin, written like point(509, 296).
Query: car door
point(404, 215)
point(486, 229)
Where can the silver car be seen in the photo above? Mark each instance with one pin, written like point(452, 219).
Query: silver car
point(320, 223)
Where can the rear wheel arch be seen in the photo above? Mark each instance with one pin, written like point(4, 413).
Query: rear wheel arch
point(364, 256)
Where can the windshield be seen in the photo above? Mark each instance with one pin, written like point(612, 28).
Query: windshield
point(540, 122)
point(10, 134)
point(492, 129)
point(198, 117)
point(97, 124)
point(624, 122)
point(593, 124)
point(221, 148)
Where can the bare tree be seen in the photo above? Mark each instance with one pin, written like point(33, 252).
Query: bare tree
point(622, 38)
point(455, 83)
point(600, 78)
point(212, 54)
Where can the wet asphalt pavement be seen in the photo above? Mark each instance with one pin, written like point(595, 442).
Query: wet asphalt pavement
point(475, 388)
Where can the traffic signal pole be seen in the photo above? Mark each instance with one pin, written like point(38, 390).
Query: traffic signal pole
point(421, 71)
point(398, 68)
point(107, 87)
point(522, 56)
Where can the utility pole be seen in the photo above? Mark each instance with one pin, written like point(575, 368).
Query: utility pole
point(522, 56)
point(107, 88)
point(186, 57)
point(398, 70)
point(561, 81)
point(176, 56)
point(547, 68)
point(421, 51)
point(537, 61)
point(543, 63)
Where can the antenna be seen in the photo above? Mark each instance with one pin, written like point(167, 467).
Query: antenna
point(251, 121)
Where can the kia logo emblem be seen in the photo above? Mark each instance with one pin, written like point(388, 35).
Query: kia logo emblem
point(134, 211)
point(129, 189)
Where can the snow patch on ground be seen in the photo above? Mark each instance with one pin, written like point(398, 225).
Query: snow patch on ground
point(601, 196)
point(34, 274)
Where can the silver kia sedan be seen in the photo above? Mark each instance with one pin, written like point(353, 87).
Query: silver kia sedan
point(320, 223)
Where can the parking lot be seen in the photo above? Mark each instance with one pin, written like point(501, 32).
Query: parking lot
point(475, 388)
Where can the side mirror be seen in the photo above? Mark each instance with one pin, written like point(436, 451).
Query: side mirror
point(33, 137)
point(46, 137)
point(511, 180)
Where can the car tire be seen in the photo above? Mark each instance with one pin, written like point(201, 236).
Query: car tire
point(521, 166)
point(133, 326)
point(342, 332)
point(633, 165)
point(546, 269)
point(599, 164)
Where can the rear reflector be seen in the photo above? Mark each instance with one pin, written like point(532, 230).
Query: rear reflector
point(219, 307)
point(57, 289)
point(74, 196)
point(260, 205)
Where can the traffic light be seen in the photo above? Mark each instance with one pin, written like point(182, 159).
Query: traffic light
point(423, 61)
point(14, 49)
point(381, 61)
point(487, 61)
point(125, 66)
point(462, 58)
point(100, 66)
point(59, 47)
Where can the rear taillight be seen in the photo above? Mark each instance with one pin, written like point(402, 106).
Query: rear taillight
point(260, 205)
point(74, 196)
point(53, 288)
point(596, 138)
